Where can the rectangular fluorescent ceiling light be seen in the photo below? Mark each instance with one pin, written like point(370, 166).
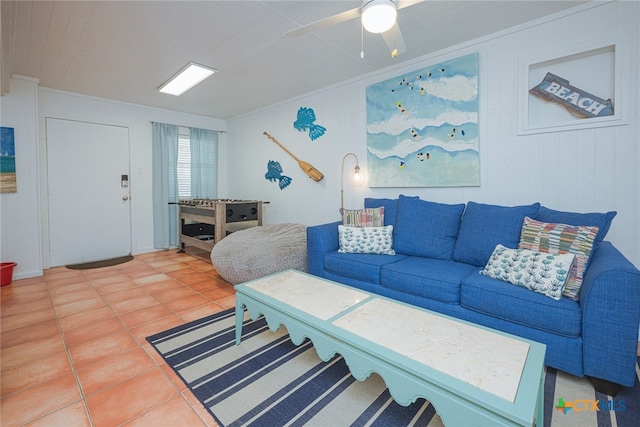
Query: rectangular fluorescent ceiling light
point(185, 79)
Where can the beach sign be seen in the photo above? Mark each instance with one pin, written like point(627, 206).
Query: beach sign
point(579, 102)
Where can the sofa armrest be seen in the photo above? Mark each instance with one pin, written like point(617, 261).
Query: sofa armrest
point(610, 302)
point(320, 240)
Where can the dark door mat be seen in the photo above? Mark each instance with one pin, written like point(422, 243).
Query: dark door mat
point(102, 263)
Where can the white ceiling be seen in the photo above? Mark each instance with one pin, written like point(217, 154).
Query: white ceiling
point(124, 50)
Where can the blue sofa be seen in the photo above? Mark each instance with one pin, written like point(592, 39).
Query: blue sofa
point(439, 252)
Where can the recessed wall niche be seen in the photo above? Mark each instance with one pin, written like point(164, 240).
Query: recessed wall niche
point(595, 71)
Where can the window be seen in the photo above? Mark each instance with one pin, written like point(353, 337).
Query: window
point(197, 163)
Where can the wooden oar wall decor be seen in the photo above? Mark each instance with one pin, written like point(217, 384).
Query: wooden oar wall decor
point(311, 172)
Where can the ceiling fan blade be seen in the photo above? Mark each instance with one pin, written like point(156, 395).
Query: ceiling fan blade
point(326, 22)
point(394, 40)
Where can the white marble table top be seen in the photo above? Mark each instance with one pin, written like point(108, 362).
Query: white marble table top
point(488, 360)
point(314, 296)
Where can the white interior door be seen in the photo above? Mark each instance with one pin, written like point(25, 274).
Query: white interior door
point(89, 208)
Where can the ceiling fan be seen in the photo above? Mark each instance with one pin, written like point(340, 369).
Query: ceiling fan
point(377, 16)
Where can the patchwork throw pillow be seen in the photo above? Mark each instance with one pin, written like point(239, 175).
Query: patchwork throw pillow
point(366, 240)
point(368, 217)
point(561, 239)
point(540, 272)
point(600, 220)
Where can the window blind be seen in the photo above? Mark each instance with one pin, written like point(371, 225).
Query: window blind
point(184, 164)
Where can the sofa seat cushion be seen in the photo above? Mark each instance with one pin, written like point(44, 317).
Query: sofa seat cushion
point(365, 267)
point(519, 305)
point(426, 277)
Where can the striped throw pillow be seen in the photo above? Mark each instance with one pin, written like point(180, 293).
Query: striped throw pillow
point(369, 217)
point(561, 239)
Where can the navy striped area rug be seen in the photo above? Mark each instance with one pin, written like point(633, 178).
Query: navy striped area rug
point(268, 381)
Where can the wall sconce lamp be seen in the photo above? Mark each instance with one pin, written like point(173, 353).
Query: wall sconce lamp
point(355, 177)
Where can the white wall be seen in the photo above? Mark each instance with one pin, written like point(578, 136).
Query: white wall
point(19, 212)
point(585, 170)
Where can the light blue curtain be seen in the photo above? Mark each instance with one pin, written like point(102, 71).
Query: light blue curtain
point(165, 185)
point(204, 163)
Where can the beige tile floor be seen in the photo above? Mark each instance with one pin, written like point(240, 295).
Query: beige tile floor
point(73, 345)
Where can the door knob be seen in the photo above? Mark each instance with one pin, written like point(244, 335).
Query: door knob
point(125, 198)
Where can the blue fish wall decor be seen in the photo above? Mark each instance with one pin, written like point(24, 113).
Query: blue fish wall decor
point(304, 122)
point(274, 173)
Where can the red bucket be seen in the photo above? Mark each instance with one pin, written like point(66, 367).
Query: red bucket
point(6, 272)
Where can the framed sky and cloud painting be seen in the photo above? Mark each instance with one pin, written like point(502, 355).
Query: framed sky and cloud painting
point(422, 127)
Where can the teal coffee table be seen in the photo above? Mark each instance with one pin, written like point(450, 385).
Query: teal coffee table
point(472, 375)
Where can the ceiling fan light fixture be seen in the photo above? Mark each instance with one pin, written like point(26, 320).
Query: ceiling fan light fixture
point(189, 76)
point(378, 16)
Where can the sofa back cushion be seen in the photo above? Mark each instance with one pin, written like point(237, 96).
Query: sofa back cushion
point(426, 229)
point(390, 207)
point(483, 227)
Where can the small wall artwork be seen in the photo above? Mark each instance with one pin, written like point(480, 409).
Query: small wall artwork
point(274, 173)
point(422, 127)
point(305, 123)
point(8, 183)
